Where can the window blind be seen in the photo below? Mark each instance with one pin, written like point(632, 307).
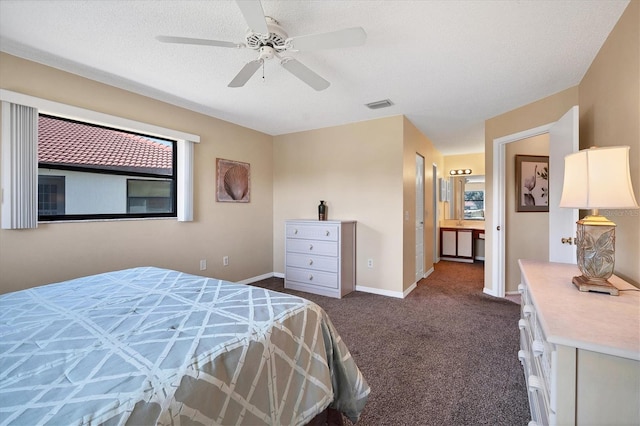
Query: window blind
point(19, 166)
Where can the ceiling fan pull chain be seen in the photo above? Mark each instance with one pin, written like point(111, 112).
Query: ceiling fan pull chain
point(263, 80)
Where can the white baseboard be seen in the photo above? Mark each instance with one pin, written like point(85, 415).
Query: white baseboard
point(429, 272)
point(457, 259)
point(361, 288)
point(380, 291)
point(364, 289)
point(258, 278)
point(488, 291)
point(409, 290)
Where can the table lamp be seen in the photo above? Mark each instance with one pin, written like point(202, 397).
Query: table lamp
point(597, 178)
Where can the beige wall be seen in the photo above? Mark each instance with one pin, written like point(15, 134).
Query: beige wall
point(59, 251)
point(366, 172)
point(475, 162)
point(361, 170)
point(357, 169)
point(609, 101)
point(526, 233)
point(610, 116)
point(416, 143)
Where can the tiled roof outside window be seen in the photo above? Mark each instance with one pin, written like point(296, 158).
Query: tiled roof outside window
point(67, 143)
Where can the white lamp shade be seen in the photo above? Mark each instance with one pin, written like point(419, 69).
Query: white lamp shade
point(598, 178)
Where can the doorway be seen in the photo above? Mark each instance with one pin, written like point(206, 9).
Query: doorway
point(419, 217)
point(435, 214)
point(563, 140)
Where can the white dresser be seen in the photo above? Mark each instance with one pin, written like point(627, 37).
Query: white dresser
point(580, 351)
point(320, 256)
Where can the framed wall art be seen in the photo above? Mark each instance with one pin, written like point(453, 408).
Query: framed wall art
point(532, 183)
point(233, 181)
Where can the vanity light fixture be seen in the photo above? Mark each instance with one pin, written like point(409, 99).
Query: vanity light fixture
point(597, 178)
point(460, 172)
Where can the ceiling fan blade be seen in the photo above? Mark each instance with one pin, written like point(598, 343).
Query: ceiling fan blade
point(245, 73)
point(198, 41)
point(254, 15)
point(347, 37)
point(296, 68)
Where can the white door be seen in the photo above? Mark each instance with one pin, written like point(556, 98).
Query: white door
point(560, 225)
point(434, 214)
point(419, 217)
point(563, 140)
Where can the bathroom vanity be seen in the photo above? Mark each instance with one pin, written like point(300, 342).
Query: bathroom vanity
point(460, 242)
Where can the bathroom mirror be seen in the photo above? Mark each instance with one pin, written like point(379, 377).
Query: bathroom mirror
point(467, 197)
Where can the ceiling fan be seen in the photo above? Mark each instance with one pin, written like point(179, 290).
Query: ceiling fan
point(270, 40)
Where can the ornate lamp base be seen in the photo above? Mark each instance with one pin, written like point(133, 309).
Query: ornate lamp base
point(589, 284)
point(596, 253)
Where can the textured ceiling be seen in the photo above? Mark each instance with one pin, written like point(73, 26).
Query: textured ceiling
point(446, 65)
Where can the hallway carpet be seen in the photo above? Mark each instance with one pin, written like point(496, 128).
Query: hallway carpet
point(447, 354)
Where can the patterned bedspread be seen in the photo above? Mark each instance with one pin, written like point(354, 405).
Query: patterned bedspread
point(155, 346)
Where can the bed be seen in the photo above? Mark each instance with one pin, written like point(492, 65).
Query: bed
point(155, 346)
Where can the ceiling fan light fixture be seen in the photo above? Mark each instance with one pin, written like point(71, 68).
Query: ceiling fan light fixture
point(379, 104)
point(270, 40)
point(267, 52)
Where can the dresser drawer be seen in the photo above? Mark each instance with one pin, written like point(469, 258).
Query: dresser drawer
point(538, 405)
point(322, 248)
point(320, 256)
point(313, 232)
point(316, 278)
point(318, 263)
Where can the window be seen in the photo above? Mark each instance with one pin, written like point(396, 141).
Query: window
point(19, 162)
point(87, 171)
point(474, 204)
point(149, 196)
point(50, 195)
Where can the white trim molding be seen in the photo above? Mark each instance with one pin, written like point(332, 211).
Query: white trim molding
point(381, 292)
point(498, 230)
point(257, 278)
point(89, 116)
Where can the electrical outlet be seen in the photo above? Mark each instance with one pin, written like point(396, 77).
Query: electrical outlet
point(225, 260)
point(203, 264)
point(369, 263)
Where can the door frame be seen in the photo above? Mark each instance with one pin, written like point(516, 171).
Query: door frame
point(436, 214)
point(420, 207)
point(499, 205)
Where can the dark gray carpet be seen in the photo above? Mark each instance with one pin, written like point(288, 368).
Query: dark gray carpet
point(445, 355)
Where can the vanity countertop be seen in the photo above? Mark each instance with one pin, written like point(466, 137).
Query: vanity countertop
point(453, 224)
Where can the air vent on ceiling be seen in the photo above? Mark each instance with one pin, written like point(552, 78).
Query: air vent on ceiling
point(379, 104)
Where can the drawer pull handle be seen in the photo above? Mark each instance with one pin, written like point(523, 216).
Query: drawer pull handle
point(521, 288)
point(522, 356)
point(310, 246)
point(522, 324)
point(310, 261)
point(527, 310)
point(537, 347)
point(534, 383)
point(327, 233)
point(310, 277)
point(295, 232)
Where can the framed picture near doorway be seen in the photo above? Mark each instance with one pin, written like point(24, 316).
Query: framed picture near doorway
point(532, 183)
